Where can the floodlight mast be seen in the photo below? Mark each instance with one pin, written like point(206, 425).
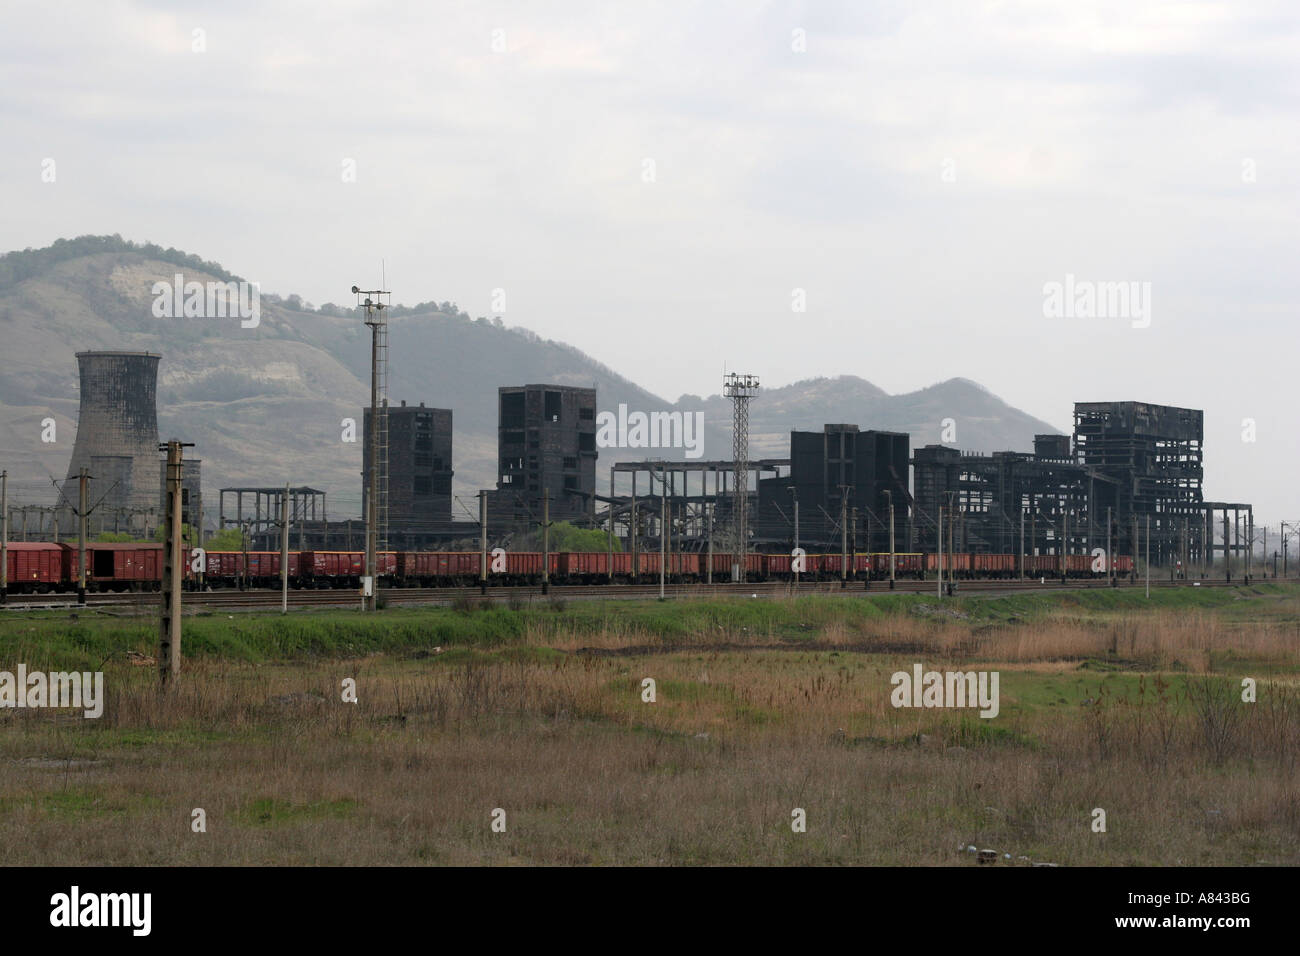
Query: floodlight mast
point(374, 306)
point(740, 389)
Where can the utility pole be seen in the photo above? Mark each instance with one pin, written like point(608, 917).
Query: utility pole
point(284, 551)
point(1227, 549)
point(81, 538)
point(1109, 576)
point(4, 535)
point(1065, 538)
point(795, 492)
point(610, 513)
point(632, 529)
point(169, 623)
point(844, 535)
point(1148, 560)
point(890, 496)
point(482, 542)
point(663, 529)
point(1022, 543)
point(853, 545)
point(708, 568)
point(940, 553)
point(202, 545)
point(546, 540)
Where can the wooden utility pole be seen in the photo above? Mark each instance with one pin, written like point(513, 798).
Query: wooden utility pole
point(169, 624)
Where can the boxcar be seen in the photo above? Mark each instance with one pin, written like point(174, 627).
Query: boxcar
point(121, 567)
point(37, 567)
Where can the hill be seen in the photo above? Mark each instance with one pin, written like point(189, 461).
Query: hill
point(264, 405)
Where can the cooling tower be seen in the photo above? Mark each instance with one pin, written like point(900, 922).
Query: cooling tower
point(117, 438)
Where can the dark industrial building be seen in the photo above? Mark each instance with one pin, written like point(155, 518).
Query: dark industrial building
point(419, 473)
point(1130, 463)
point(546, 442)
point(117, 441)
point(983, 497)
point(839, 467)
point(1144, 461)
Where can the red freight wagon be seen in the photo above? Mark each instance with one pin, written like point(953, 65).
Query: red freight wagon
point(413, 567)
point(756, 565)
point(956, 564)
point(333, 568)
point(779, 566)
point(223, 565)
point(907, 565)
point(523, 565)
point(678, 565)
point(1123, 564)
point(994, 565)
point(592, 565)
point(264, 566)
point(38, 567)
point(120, 567)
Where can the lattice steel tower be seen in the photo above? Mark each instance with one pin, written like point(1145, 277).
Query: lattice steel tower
point(740, 389)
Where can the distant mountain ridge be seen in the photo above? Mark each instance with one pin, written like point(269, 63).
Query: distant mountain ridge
point(264, 405)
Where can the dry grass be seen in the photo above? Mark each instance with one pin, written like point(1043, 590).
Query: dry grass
point(741, 733)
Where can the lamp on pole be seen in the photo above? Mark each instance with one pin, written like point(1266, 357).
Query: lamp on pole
point(374, 319)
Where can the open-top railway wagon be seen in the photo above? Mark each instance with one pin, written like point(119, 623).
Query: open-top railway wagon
point(43, 567)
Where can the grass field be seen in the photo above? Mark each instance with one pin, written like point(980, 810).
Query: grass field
point(1108, 701)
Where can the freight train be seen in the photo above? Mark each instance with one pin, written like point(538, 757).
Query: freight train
point(44, 567)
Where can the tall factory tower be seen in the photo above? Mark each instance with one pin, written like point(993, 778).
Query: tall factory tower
point(117, 440)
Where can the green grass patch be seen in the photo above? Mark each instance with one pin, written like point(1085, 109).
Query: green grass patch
point(272, 811)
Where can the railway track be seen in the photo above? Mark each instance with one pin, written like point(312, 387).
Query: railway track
point(213, 601)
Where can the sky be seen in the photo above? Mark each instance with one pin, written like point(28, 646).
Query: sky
point(887, 190)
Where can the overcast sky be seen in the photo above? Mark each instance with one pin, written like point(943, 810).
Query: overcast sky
point(653, 182)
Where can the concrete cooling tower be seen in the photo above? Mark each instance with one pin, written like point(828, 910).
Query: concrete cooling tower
point(117, 439)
